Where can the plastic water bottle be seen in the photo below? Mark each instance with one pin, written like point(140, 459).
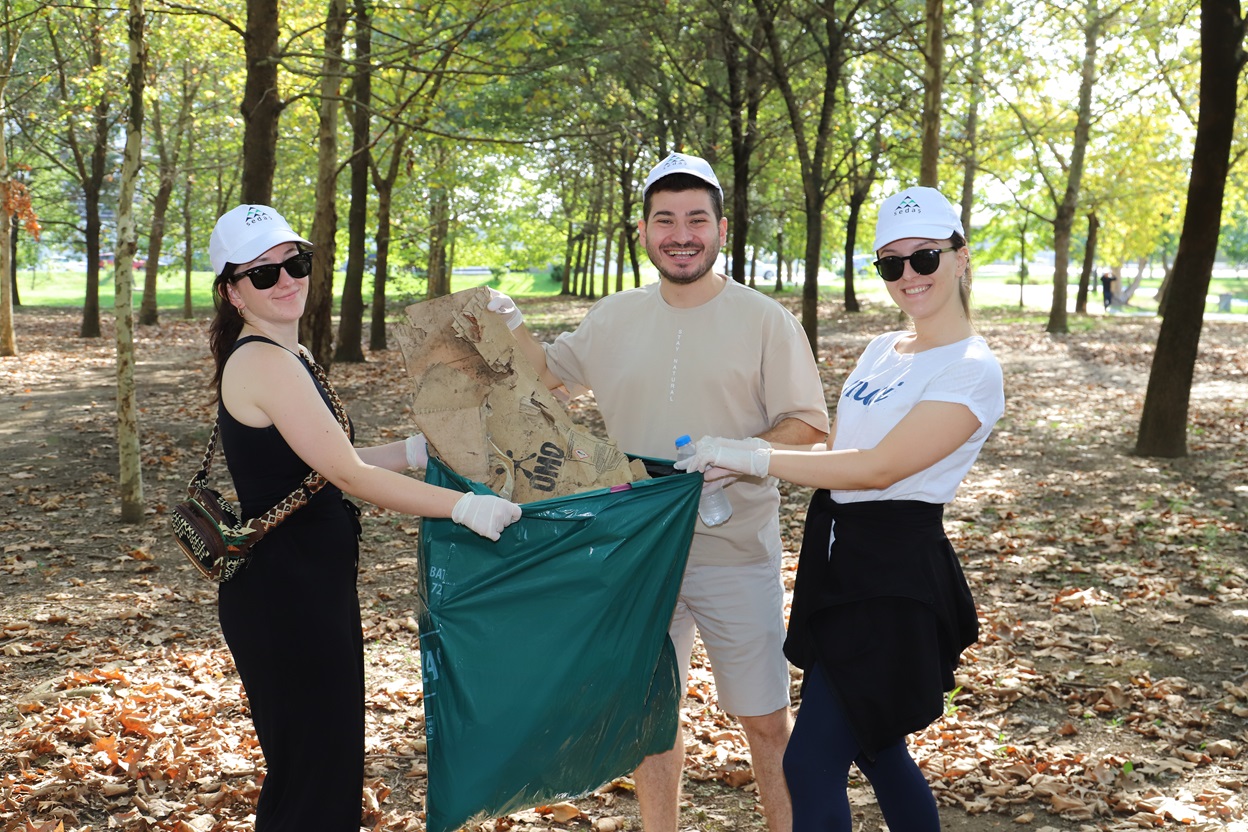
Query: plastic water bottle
point(714, 507)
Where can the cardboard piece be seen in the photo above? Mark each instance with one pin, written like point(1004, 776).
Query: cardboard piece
point(487, 415)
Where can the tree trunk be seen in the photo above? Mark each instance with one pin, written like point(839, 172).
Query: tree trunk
point(1064, 222)
point(316, 328)
point(812, 148)
point(439, 277)
point(810, 286)
point(971, 162)
point(15, 230)
point(933, 77)
point(856, 200)
point(8, 270)
point(351, 316)
point(148, 313)
point(1022, 263)
point(608, 237)
point(381, 272)
point(568, 247)
point(261, 105)
point(779, 258)
point(1163, 424)
point(130, 469)
point(1089, 260)
point(188, 234)
point(619, 255)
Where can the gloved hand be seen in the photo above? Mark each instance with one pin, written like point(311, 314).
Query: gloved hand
point(505, 307)
point(747, 456)
point(417, 451)
point(485, 514)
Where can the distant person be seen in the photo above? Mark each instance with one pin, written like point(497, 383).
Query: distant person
point(699, 353)
point(881, 610)
point(292, 617)
point(1107, 289)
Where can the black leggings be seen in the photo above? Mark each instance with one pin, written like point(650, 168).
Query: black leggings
point(816, 766)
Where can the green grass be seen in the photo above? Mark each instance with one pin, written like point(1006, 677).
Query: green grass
point(65, 287)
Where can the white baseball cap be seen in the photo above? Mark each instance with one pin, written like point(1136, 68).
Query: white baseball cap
point(244, 233)
point(916, 212)
point(682, 163)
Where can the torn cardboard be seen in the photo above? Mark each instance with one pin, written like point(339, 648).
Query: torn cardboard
point(487, 415)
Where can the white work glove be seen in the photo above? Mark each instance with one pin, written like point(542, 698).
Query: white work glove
point(745, 456)
point(485, 514)
point(505, 307)
point(417, 451)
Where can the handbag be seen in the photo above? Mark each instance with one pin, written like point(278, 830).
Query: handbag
point(207, 528)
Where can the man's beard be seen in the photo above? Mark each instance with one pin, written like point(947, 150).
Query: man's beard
point(683, 278)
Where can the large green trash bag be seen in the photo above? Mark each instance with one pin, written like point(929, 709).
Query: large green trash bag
point(547, 669)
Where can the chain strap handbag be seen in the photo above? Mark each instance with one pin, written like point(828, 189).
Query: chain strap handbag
point(207, 528)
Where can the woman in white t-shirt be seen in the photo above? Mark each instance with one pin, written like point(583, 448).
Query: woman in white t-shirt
point(881, 610)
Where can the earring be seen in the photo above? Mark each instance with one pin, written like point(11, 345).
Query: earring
point(240, 312)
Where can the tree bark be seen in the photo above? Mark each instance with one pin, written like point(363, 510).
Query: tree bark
point(130, 469)
point(439, 279)
point(316, 327)
point(1089, 260)
point(933, 77)
point(1163, 423)
point(377, 326)
point(351, 316)
point(8, 270)
point(261, 105)
point(188, 233)
point(970, 164)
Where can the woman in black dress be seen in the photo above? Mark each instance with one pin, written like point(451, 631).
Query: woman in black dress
point(292, 617)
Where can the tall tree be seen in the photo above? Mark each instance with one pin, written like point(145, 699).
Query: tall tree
point(1064, 220)
point(970, 156)
point(350, 319)
point(316, 325)
point(824, 32)
point(933, 80)
point(167, 141)
point(1163, 422)
point(83, 88)
point(14, 199)
point(261, 105)
point(130, 468)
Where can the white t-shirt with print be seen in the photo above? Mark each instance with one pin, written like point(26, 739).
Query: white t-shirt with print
point(886, 385)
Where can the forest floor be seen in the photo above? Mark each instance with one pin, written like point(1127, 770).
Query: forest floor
point(1107, 692)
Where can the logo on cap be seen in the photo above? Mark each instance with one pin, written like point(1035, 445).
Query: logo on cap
point(673, 161)
point(908, 206)
point(256, 214)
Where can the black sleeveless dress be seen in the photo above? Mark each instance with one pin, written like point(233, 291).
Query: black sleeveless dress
point(292, 622)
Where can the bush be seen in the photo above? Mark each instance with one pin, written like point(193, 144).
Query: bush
point(556, 273)
point(498, 272)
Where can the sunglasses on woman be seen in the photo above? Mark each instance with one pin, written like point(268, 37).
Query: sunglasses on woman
point(266, 276)
point(923, 262)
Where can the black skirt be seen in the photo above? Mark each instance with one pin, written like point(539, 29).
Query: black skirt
point(887, 612)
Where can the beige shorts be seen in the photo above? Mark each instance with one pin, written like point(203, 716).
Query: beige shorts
point(738, 612)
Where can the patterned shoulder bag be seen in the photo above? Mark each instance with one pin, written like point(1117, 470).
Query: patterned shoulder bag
point(207, 528)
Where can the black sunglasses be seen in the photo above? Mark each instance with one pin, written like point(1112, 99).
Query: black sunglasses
point(923, 262)
point(266, 276)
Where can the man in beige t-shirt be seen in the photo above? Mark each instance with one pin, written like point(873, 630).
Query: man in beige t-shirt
point(697, 354)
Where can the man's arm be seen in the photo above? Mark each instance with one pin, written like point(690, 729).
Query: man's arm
point(532, 349)
point(795, 433)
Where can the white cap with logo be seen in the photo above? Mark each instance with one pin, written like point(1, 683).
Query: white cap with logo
point(244, 233)
point(916, 212)
point(682, 163)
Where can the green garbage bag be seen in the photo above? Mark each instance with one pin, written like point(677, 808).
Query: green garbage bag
point(547, 669)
